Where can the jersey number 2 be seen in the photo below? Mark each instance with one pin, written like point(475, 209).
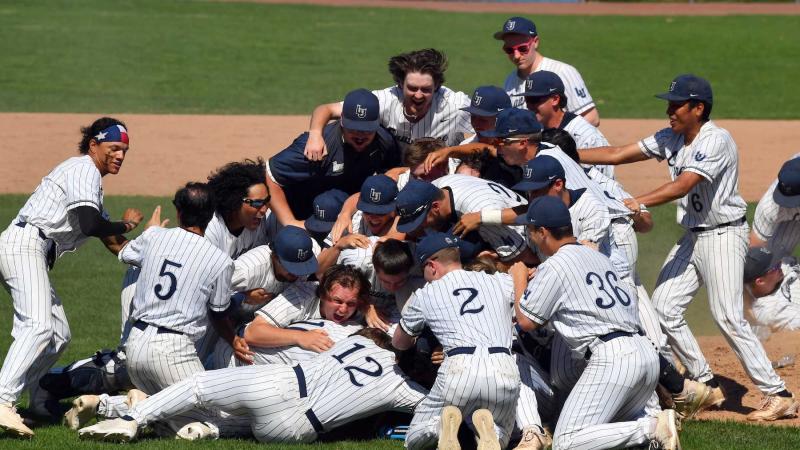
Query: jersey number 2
point(352, 369)
point(616, 293)
point(163, 292)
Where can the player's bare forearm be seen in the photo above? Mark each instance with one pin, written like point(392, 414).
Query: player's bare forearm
point(278, 203)
point(671, 191)
point(114, 244)
point(612, 155)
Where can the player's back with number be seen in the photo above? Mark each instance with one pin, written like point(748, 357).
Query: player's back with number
point(465, 309)
point(183, 275)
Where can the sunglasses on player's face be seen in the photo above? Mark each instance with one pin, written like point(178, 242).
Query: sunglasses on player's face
point(523, 49)
point(256, 203)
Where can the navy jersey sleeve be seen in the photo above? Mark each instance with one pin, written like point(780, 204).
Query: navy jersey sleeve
point(290, 166)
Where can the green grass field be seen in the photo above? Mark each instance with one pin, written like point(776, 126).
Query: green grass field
point(152, 56)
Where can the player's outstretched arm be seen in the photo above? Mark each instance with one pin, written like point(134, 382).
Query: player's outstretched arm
point(315, 146)
point(673, 190)
point(624, 154)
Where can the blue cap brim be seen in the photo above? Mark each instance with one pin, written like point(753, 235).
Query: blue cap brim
point(300, 269)
point(531, 185)
point(372, 208)
point(318, 226)
point(787, 201)
point(360, 125)
point(480, 112)
point(411, 225)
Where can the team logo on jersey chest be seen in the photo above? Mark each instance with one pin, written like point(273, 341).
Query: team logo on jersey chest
point(374, 195)
point(302, 254)
point(361, 112)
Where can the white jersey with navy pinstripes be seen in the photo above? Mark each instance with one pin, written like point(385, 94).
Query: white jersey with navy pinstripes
point(463, 309)
point(777, 225)
point(579, 100)
point(471, 194)
point(587, 135)
point(219, 235)
point(358, 374)
point(182, 277)
point(444, 119)
point(73, 183)
point(712, 155)
point(578, 291)
point(298, 302)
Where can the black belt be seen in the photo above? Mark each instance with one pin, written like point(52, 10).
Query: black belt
point(732, 223)
point(301, 386)
point(471, 350)
point(142, 325)
point(610, 337)
point(51, 252)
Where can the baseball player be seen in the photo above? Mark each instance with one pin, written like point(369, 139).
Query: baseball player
point(773, 297)
point(357, 146)
point(703, 163)
point(545, 95)
point(61, 214)
point(521, 44)
point(470, 314)
point(286, 404)
point(418, 105)
point(578, 290)
point(775, 224)
point(184, 284)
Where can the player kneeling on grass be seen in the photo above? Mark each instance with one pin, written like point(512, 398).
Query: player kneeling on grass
point(577, 289)
point(470, 314)
point(284, 403)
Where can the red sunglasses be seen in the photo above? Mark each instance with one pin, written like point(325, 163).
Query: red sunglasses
point(521, 48)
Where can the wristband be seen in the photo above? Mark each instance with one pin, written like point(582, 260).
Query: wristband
point(492, 216)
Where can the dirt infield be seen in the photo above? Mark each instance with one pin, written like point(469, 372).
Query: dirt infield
point(590, 8)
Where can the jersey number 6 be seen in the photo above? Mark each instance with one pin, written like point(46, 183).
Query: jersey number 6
point(164, 293)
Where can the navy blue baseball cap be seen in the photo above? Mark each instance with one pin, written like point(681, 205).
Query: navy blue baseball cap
point(432, 243)
point(360, 111)
point(295, 251)
point(787, 192)
point(517, 25)
point(514, 122)
point(378, 195)
point(546, 211)
point(688, 87)
point(540, 172)
point(542, 84)
point(757, 263)
point(413, 203)
point(488, 101)
point(326, 209)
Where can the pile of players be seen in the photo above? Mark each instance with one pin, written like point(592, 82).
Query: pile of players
point(455, 258)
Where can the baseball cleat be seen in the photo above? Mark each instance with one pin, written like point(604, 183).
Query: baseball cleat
point(84, 409)
point(534, 438)
point(483, 422)
point(197, 431)
point(693, 399)
point(134, 397)
point(114, 430)
point(12, 422)
point(774, 407)
point(450, 422)
point(666, 436)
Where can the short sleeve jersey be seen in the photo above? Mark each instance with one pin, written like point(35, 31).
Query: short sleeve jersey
point(578, 292)
point(182, 277)
point(579, 100)
point(73, 183)
point(463, 309)
point(712, 155)
point(444, 120)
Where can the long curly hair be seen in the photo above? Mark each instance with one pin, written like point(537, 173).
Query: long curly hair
point(231, 182)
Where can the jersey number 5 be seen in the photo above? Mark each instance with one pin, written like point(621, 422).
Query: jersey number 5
point(614, 295)
point(163, 292)
point(376, 372)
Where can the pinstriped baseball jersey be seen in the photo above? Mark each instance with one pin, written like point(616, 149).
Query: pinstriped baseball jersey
point(361, 375)
point(579, 99)
point(586, 135)
point(219, 235)
point(463, 309)
point(778, 225)
point(182, 277)
point(294, 354)
point(577, 179)
point(73, 183)
point(712, 155)
point(578, 291)
point(471, 194)
point(298, 302)
point(444, 120)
